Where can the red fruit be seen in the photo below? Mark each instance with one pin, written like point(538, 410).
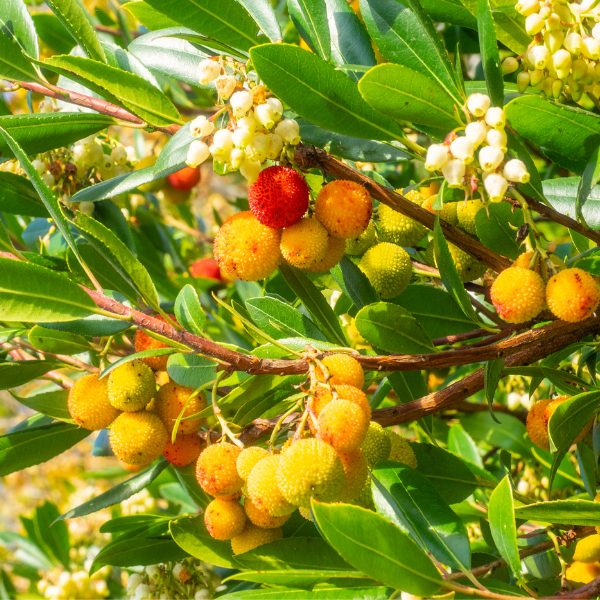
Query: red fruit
point(207, 268)
point(185, 179)
point(279, 197)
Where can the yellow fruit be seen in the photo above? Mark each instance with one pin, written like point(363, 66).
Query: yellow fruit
point(524, 260)
point(343, 369)
point(224, 519)
point(582, 573)
point(253, 537)
point(465, 212)
point(153, 186)
point(359, 245)
point(309, 469)
point(184, 451)
point(356, 472)
point(342, 425)
point(401, 450)
point(553, 405)
point(345, 392)
point(131, 386)
point(305, 512)
point(89, 405)
point(304, 244)
point(398, 228)
point(144, 342)
point(587, 550)
point(264, 490)
point(536, 428)
point(246, 249)
point(572, 295)
point(261, 518)
point(365, 498)
point(138, 438)
point(448, 213)
point(518, 295)
point(344, 208)
point(388, 268)
point(377, 444)
point(216, 470)
point(468, 268)
point(333, 255)
point(248, 458)
point(169, 402)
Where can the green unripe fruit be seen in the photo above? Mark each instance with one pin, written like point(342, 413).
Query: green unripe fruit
point(365, 498)
point(377, 445)
point(468, 267)
point(398, 228)
point(131, 386)
point(359, 245)
point(388, 268)
point(450, 213)
point(466, 211)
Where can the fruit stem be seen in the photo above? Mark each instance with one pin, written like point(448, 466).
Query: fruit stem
point(217, 412)
point(282, 419)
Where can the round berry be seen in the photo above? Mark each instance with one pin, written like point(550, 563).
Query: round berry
point(224, 519)
point(343, 425)
point(264, 490)
point(518, 295)
point(144, 342)
point(216, 470)
point(253, 537)
point(184, 451)
point(185, 179)
point(572, 295)
point(343, 369)
point(304, 243)
point(388, 268)
point(131, 386)
point(169, 402)
point(333, 254)
point(138, 438)
point(262, 518)
point(89, 405)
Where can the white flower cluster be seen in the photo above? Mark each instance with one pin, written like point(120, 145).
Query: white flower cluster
point(463, 168)
point(565, 52)
point(138, 504)
point(65, 585)
point(88, 153)
point(256, 132)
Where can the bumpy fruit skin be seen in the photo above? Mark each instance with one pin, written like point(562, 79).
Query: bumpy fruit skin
point(305, 512)
point(365, 498)
point(247, 249)
point(388, 268)
point(224, 519)
point(253, 537)
point(357, 473)
point(553, 405)
point(131, 386)
point(309, 469)
point(304, 243)
point(359, 245)
point(346, 392)
point(206, 268)
point(468, 268)
point(588, 549)
point(398, 228)
point(89, 405)
point(185, 179)
point(279, 197)
point(342, 425)
point(580, 573)
point(144, 342)
point(401, 450)
point(536, 428)
point(260, 517)
point(334, 253)
point(524, 260)
point(248, 458)
point(465, 212)
point(572, 295)
point(377, 444)
point(138, 438)
point(263, 488)
point(216, 470)
point(518, 295)
point(344, 208)
point(184, 451)
point(170, 400)
point(448, 212)
point(343, 369)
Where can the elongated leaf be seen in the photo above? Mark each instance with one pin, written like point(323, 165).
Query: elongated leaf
point(148, 16)
point(588, 180)
point(189, 312)
point(18, 196)
point(53, 33)
point(573, 512)
point(187, 478)
point(310, 18)
point(13, 374)
point(354, 283)
point(450, 11)
point(16, 21)
point(129, 523)
point(517, 150)
point(490, 57)
point(263, 14)
point(57, 342)
point(462, 444)
point(322, 95)
point(53, 404)
point(297, 578)
point(498, 230)
point(562, 195)
point(570, 417)
point(14, 65)
point(54, 535)
point(329, 592)
point(586, 460)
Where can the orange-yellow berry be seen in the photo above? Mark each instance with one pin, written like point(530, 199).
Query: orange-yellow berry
point(248, 459)
point(518, 294)
point(344, 208)
point(304, 244)
point(356, 472)
point(144, 342)
point(572, 295)
point(131, 386)
point(169, 402)
point(344, 391)
point(253, 537)
point(216, 469)
point(553, 405)
point(138, 438)
point(539, 266)
point(263, 488)
point(89, 405)
point(342, 369)
point(262, 518)
point(224, 519)
point(537, 429)
point(343, 425)
point(184, 451)
point(333, 254)
point(581, 573)
point(246, 249)
point(401, 450)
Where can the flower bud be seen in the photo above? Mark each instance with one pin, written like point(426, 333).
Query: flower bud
point(553, 22)
point(515, 170)
point(225, 86)
point(143, 591)
point(534, 24)
point(591, 48)
point(437, 157)
point(573, 43)
point(539, 56)
point(454, 172)
point(257, 149)
point(209, 71)
point(241, 103)
point(39, 165)
point(562, 60)
point(131, 154)
point(87, 208)
point(490, 158)
point(547, 86)
point(590, 75)
point(596, 31)
point(120, 155)
point(222, 142)
point(241, 137)
point(527, 7)
point(497, 138)
point(202, 594)
point(554, 40)
point(578, 69)
point(537, 76)
point(265, 115)
point(495, 117)
point(277, 107)
point(96, 154)
point(509, 65)
point(575, 94)
point(557, 88)
point(236, 158)
point(523, 79)
point(48, 179)
point(476, 132)
point(463, 149)
point(545, 12)
point(134, 580)
point(275, 146)
point(121, 170)
point(289, 130)
point(247, 123)
point(496, 186)
point(197, 153)
point(478, 104)
point(201, 127)
point(250, 170)
point(46, 106)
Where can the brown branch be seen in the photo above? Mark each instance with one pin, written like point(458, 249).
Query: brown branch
point(589, 590)
point(115, 31)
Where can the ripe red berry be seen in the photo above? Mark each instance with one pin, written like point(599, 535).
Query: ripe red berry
point(185, 179)
point(279, 197)
point(207, 268)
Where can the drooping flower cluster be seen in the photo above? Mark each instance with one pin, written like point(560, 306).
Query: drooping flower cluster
point(565, 52)
point(477, 157)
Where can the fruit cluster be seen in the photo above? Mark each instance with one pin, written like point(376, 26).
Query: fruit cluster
point(463, 169)
point(328, 463)
point(565, 52)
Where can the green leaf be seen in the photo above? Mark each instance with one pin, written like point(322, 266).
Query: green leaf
point(118, 493)
point(503, 526)
point(191, 370)
point(263, 14)
point(18, 196)
point(153, 353)
point(29, 552)
point(35, 445)
point(407, 95)
point(586, 461)
point(354, 283)
point(408, 38)
point(53, 33)
point(129, 523)
point(148, 16)
point(187, 478)
point(408, 385)
point(561, 194)
point(393, 329)
point(54, 404)
point(499, 231)
point(329, 592)
point(16, 373)
point(125, 89)
point(315, 303)
point(449, 11)
point(588, 181)
point(372, 544)
point(322, 95)
point(189, 312)
point(510, 434)
point(310, 19)
point(564, 512)
point(14, 65)
point(490, 56)
point(570, 417)
point(55, 536)
point(16, 21)
point(517, 150)
point(462, 444)
point(492, 374)
point(227, 21)
point(294, 578)
point(57, 342)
